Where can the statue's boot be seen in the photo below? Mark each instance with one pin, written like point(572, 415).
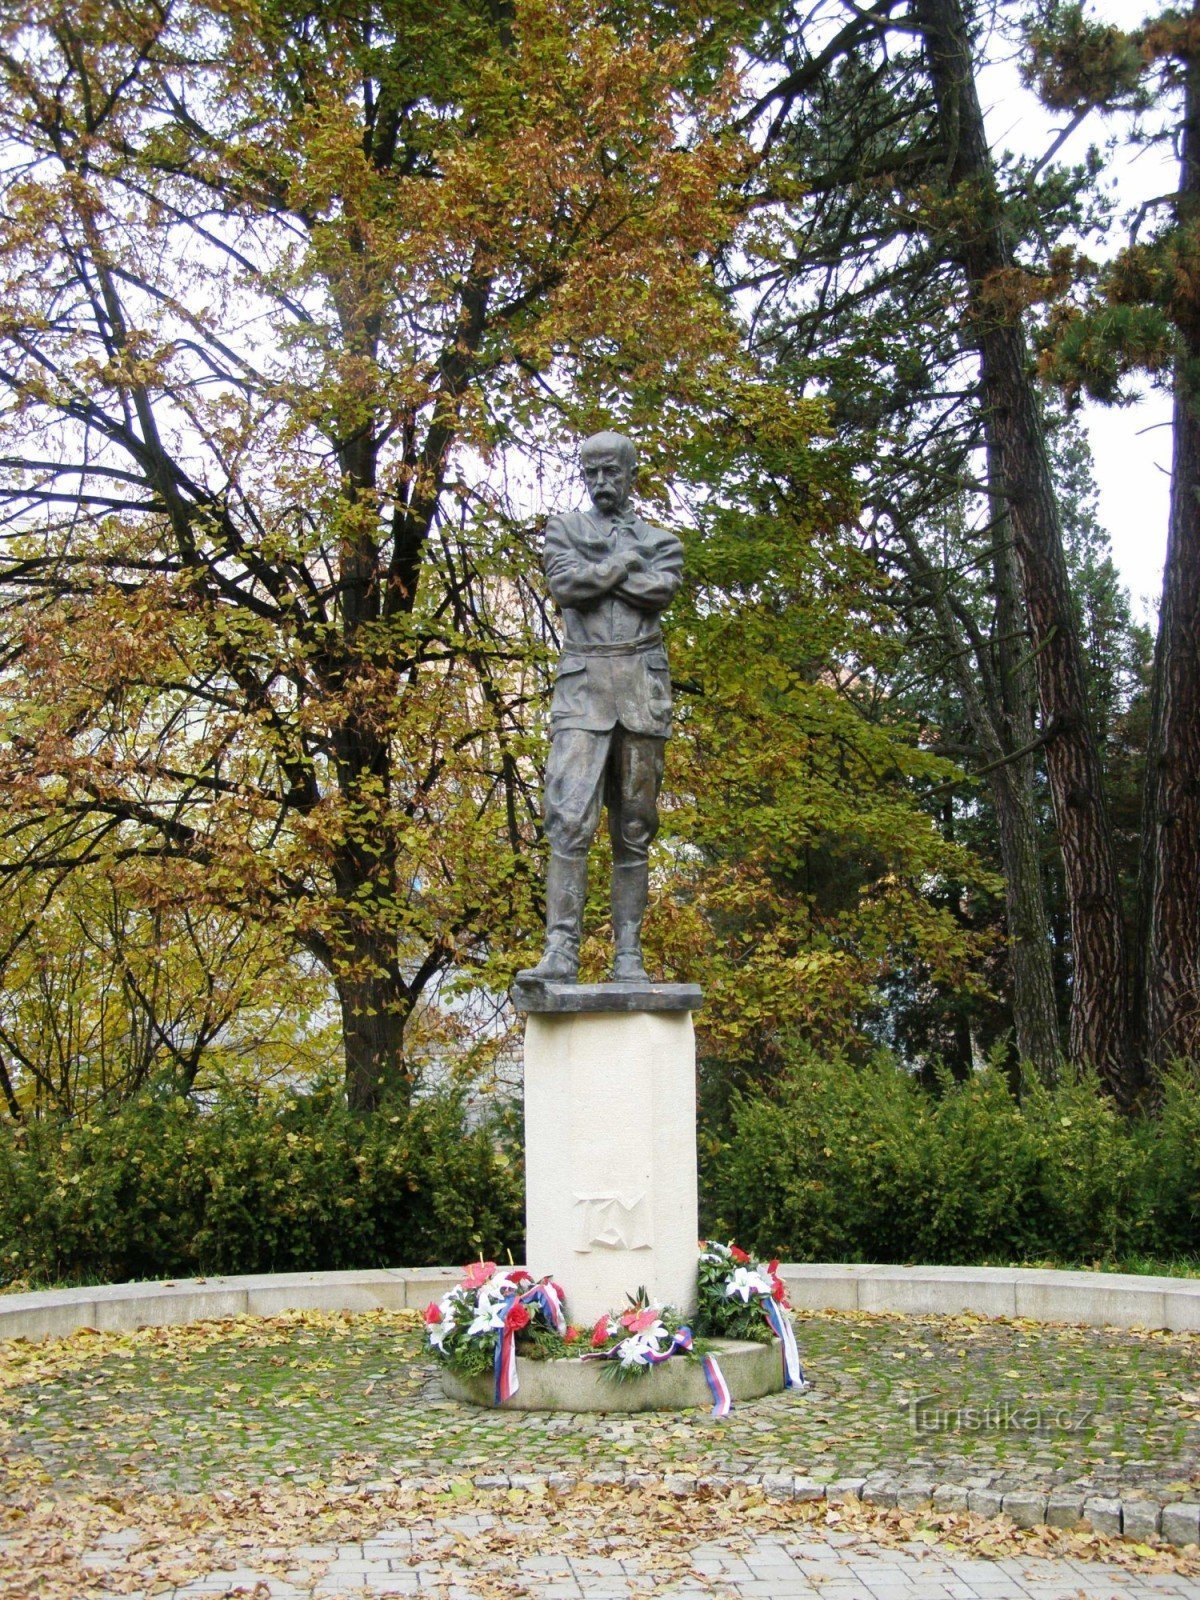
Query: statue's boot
point(566, 890)
point(630, 887)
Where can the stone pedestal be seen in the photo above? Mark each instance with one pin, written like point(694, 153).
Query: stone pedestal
point(610, 1142)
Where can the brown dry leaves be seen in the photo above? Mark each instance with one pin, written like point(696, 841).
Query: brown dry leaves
point(24, 1362)
point(154, 1542)
point(967, 1324)
point(180, 1538)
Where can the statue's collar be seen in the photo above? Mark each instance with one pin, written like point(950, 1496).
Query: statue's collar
point(605, 525)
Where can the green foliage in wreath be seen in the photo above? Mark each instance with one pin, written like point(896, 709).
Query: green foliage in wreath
point(731, 1287)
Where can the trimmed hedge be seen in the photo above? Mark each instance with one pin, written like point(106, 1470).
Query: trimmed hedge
point(161, 1189)
point(838, 1162)
point(844, 1162)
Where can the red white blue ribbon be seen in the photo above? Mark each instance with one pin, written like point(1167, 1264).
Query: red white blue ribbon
point(717, 1387)
point(545, 1297)
point(781, 1323)
point(507, 1382)
point(549, 1297)
point(680, 1341)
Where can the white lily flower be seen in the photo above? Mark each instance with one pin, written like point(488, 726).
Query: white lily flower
point(633, 1352)
point(745, 1281)
point(438, 1333)
point(488, 1319)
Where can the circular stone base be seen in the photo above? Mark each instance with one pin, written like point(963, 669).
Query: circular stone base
point(749, 1369)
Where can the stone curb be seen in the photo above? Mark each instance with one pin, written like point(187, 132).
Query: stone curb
point(120, 1307)
point(1176, 1523)
point(1089, 1299)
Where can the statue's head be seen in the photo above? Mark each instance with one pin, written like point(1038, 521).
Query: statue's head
point(609, 464)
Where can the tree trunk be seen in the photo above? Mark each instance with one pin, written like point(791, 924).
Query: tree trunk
point(1099, 1024)
point(1171, 859)
point(1035, 1014)
point(990, 702)
point(375, 1004)
point(374, 996)
point(1035, 1011)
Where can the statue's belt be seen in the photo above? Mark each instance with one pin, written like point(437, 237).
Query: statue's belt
point(627, 647)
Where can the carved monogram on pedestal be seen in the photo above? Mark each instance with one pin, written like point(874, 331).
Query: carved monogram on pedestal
point(613, 1222)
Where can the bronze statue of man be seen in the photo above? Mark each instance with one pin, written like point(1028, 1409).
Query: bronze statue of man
point(611, 574)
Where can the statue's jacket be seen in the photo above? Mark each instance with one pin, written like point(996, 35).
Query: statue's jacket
point(613, 667)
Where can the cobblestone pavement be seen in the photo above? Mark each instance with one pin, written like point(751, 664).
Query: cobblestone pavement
point(436, 1559)
point(311, 1456)
point(984, 1404)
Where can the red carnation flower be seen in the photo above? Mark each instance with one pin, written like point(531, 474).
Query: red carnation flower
point(773, 1268)
point(433, 1313)
point(519, 1275)
point(572, 1333)
point(778, 1291)
point(600, 1332)
point(739, 1256)
point(518, 1316)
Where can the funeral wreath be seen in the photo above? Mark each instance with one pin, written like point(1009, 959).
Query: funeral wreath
point(497, 1313)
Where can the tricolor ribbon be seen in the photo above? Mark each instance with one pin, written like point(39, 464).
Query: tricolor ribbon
point(507, 1382)
point(546, 1297)
point(682, 1340)
point(793, 1372)
point(680, 1343)
point(717, 1387)
point(549, 1297)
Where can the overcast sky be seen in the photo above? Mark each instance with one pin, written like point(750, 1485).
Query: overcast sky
point(1131, 445)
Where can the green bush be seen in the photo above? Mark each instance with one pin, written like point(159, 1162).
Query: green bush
point(1177, 1156)
point(838, 1162)
point(844, 1162)
point(162, 1189)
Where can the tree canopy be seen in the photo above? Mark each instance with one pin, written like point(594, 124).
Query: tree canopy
point(301, 310)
